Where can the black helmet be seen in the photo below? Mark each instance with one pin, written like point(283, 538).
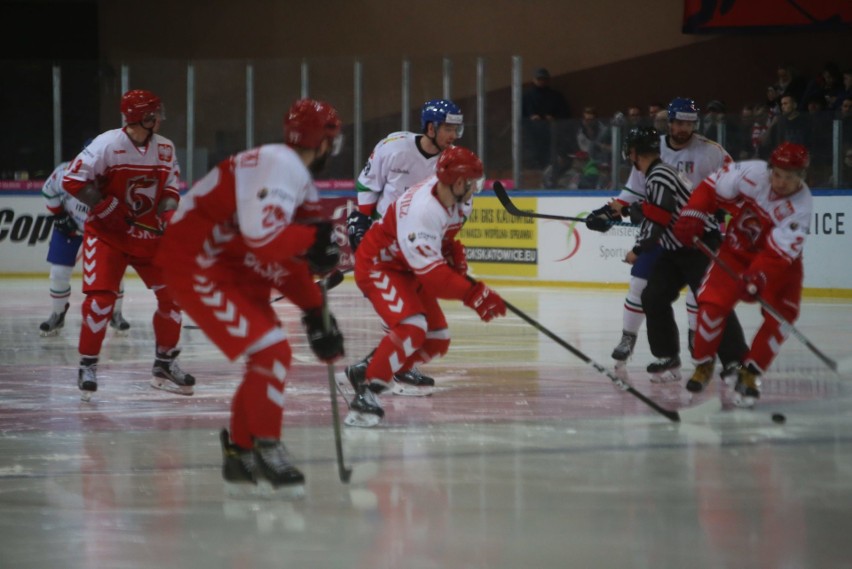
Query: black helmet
point(644, 139)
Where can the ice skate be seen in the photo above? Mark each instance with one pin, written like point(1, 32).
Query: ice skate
point(747, 389)
point(169, 377)
point(365, 409)
point(87, 378)
point(412, 383)
point(274, 469)
point(729, 374)
point(263, 471)
point(119, 324)
point(701, 376)
point(53, 324)
point(665, 370)
point(624, 349)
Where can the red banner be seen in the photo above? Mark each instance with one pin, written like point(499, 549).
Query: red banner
point(715, 16)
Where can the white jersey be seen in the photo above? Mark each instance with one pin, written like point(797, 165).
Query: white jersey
point(411, 236)
point(697, 160)
point(765, 220)
point(59, 200)
point(396, 164)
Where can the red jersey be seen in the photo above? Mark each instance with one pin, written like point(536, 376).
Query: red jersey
point(139, 176)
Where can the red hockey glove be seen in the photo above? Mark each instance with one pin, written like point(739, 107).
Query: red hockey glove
point(485, 301)
point(752, 284)
point(689, 225)
point(110, 214)
point(456, 256)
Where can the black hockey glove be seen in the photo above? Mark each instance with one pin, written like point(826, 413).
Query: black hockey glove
point(324, 254)
point(634, 212)
point(602, 219)
point(64, 224)
point(327, 345)
point(357, 225)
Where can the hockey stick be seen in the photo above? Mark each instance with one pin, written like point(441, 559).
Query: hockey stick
point(333, 279)
point(330, 281)
point(143, 226)
point(506, 202)
point(766, 306)
point(620, 383)
point(344, 473)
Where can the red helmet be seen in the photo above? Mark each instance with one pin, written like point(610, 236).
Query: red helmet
point(139, 104)
point(309, 122)
point(789, 156)
point(457, 162)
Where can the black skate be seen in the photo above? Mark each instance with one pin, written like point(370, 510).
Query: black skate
point(237, 465)
point(701, 376)
point(365, 409)
point(87, 378)
point(265, 470)
point(665, 370)
point(169, 377)
point(412, 383)
point(53, 324)
point(119, 324)
point(747, 389)
point(624, 349)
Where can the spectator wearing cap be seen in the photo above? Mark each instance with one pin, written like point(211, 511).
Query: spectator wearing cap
point(542, 107)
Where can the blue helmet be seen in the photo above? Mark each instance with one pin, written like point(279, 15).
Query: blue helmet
point(441, 111)
point(683, 109)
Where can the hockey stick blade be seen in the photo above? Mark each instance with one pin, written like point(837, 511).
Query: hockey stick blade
point(785, 324)
point(506, 202)
point(620, 383)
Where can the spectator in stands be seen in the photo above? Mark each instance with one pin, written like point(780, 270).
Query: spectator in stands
point(572, 172)
point(789, 82)
point(714, 116)
point(845, 116)
point(661, 121)
point(654, 110)
point(821, 131)
point(593, 135)
point(773, 104)
point(634, 117)
point(791, 126)
point(846, 89)
point(542, 106)
point(828, 86)
point(759, 126)
point(744, 150)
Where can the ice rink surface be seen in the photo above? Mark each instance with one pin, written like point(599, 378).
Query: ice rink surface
point(525, 457)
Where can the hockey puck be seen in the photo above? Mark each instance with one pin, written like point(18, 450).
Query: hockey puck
point(779, 418)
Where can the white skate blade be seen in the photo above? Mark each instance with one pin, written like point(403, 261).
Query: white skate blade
point(358, 419)
point(668, 376)
point(263, 490)
point(120, 333)
point(49, 333)
point(86, 396)
point(743, 401)
point(407, 390)
point(620, 370)
point(166, 385)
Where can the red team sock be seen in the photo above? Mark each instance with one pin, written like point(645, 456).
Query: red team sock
point(394, 351)
point(257, 410)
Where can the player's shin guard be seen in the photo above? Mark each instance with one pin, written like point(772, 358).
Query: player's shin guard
point(409, 380)
point(258, 407)
point(768, 341)
point(394, 351)
point(97, 310)
point(708, 334)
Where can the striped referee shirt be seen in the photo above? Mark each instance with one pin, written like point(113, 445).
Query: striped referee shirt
point(669, 190)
